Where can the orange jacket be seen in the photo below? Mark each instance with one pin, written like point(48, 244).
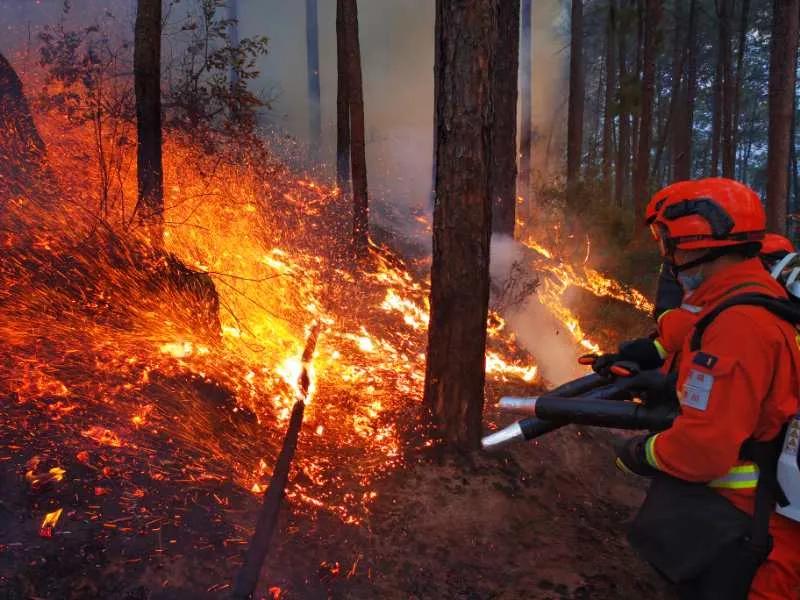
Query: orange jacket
point(743, 383)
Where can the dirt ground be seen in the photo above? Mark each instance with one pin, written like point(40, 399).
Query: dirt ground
point(545, 520)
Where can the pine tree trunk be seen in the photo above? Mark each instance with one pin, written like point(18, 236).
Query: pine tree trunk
point(783, 51)
point(342, 105)
point(358, 159)
point(737, 100)
point(504, 132)
point(642, 171)
point(147, 86)
point(611, 84)
point(728, 89)
point(312, 62)
point(455, 370)
point(623, 145)
point(577, 91)
point(526, 101)
point(682, 153)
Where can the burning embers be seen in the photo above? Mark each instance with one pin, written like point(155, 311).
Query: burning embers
point(187, 370)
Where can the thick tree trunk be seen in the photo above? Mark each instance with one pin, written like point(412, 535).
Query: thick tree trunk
point(526, 101)
point(504, 132)
point(577, 92)
point(728, 88)
point(147, 85)
point(358, 158)
point(312, 61)
point(342, 104)
point(783, 51)
point(455, 371)
point(611, 84)
point(684, 126)
point(642, 171)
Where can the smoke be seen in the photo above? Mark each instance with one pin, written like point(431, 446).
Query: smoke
point(533, 325)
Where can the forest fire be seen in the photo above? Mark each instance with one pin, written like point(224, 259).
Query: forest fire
point(122, 362)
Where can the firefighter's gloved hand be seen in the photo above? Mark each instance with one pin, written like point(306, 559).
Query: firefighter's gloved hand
point(632, 457)
point(642, 351)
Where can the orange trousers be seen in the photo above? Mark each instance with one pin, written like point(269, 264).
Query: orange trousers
point(779, 577)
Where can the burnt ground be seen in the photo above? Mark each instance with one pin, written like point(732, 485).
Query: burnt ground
point(543, 521)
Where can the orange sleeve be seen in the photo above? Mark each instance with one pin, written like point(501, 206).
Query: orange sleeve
point(674, 326)
point(721, 390)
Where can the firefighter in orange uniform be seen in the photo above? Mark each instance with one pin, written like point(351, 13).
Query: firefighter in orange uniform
point(738, 383)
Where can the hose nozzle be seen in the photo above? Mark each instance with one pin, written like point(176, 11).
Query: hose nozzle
point(503, 437)
point(525, 405)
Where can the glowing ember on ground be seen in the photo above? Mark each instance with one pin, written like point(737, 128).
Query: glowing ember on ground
point(49, 523)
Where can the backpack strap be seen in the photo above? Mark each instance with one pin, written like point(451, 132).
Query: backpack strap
point(782, 308)
point(764, 454)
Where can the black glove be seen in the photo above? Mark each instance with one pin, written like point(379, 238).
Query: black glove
point(632, 457)
point(642, 352)
point(669, 293)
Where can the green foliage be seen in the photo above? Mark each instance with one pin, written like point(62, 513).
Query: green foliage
point(208, 82)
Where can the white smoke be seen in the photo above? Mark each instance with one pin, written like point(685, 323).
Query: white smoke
point(541, 334)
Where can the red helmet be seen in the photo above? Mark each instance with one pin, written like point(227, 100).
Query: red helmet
point(706, 213)
point(774, 243)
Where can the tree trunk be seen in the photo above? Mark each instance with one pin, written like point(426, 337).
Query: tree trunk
point(312, 60)
point(21, 146)
point(740, 74)
point(611, 84)
point(342, 104)
point(642, 171)
point(577, 91)
point(684, 127)
point(233, 38)
point(678, 68)
point(728, 87)
point(455, 369)
point(358, 158)
point(783, 50)
point(147, 85)
point(623, 145)
point(526, 102)
point(504, 132)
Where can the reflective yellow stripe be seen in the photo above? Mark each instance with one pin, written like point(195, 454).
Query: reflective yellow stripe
point(662, 352)
point(650, 452)
point(740, 477)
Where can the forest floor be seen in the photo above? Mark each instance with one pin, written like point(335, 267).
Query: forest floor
point(543, 521)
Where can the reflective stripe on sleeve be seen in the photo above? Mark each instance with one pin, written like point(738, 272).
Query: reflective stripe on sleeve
point(740, 477)
point(662, 352)
point(650, 452)
point(692, 308)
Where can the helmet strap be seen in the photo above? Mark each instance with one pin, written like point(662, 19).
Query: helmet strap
point(708, 257)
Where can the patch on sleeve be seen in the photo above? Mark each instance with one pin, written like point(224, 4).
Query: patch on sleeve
point(705, 360)
point(696, 390)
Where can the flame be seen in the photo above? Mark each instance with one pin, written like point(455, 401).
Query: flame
point(208, 355)
point(49, 523)
point(561, 275)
